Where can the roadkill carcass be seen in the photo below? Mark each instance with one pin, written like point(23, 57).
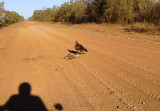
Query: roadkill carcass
point(72, 55)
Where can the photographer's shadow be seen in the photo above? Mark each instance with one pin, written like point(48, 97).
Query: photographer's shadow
point(24, 101)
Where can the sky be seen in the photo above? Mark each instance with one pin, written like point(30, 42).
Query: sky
point(27, 7)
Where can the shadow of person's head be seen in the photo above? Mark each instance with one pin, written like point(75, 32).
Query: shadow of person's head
point(25, 89)
point(24, 101)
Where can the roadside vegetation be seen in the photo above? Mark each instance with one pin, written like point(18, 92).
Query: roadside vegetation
point(8, 17)
point(103, 11)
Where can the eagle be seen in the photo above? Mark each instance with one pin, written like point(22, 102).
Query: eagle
point(79, 47)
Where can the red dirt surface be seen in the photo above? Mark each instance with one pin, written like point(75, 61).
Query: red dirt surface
point(118, 73)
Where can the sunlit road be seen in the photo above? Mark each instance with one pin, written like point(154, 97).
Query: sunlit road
point(116, 74)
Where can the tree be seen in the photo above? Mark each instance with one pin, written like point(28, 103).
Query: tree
point(2, 14)
point(8, 17)
point(112, 11)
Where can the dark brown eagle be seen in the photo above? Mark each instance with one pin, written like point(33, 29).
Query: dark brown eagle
point(79, 47)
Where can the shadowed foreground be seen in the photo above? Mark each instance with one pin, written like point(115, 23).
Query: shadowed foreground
point(24, 101)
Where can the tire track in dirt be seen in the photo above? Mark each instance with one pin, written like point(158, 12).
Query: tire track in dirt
point(60, 38)
point(115, 73)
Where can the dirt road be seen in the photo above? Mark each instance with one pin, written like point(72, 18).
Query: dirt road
point(116, 73)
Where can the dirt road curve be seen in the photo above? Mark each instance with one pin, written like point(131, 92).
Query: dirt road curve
point(116, 73)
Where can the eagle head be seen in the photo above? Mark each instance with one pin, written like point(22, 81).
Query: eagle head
point(76, 42)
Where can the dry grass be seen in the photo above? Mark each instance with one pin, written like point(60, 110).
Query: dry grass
point(144, 28)
point(142, 32)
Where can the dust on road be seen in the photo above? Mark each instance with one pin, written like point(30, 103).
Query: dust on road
point(116, 73)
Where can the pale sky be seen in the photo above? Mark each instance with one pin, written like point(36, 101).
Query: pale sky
point(26, 7)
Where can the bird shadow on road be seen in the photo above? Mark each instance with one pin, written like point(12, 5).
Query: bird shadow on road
point(72, 51)
point(75, 52)
point(24, 101)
